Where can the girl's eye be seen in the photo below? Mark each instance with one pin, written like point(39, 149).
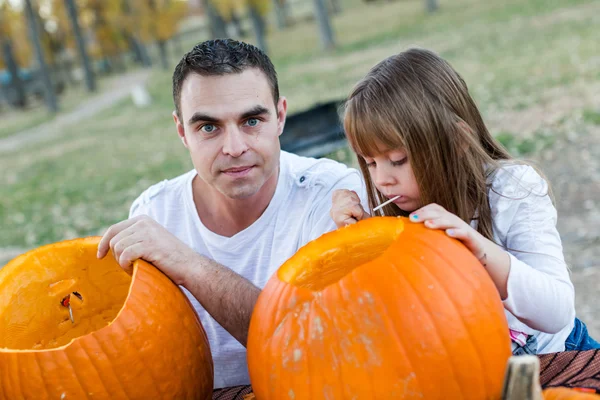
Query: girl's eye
point(370, 164)
point(208, 128)
point(252, 122)
point(399, 162)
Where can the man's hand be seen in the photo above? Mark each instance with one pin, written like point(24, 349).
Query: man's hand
point(228, 297)
point(142, 237)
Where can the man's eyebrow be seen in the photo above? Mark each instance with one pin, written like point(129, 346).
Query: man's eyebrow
point(257, 110)
point(197, 117)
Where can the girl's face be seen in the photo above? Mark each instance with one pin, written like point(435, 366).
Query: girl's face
point(393, 176)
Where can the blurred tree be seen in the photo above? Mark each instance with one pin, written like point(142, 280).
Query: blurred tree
point(43, 70)
point(90, 79)
point(258, 10)
point(159, 21)
point(324, 21)
point(431, 5)
point(335, 6)
point(131, 31)
point(281, 13)
point(216, 22)
point(9, 61)
point(227, 11)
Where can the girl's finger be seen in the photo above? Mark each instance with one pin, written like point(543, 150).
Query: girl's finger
point(457, 233)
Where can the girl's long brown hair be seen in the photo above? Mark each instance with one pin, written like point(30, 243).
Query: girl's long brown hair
point(416, 101)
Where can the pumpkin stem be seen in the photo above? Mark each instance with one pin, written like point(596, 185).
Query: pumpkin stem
point(522, 379)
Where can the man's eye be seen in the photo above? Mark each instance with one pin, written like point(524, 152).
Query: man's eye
point(252, 122)
point(208, 128)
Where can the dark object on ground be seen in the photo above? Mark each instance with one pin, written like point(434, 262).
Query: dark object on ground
point(314, 132)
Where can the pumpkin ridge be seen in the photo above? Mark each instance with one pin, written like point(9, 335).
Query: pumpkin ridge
point(440, 283)
point(449, 263)
point(36, 359)
point(338, 336)
point(111, 364)
point(141, 354)
point(341, 283)
point(75, 374)
point(91, 363)
point(19, 371)
point(434, 278)
point(340, 374)
point(390, 328)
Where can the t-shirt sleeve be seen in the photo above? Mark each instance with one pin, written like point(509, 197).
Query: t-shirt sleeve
point(143, 204)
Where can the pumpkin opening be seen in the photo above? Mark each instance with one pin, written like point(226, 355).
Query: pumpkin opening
point(52, 296)
point(323, 262)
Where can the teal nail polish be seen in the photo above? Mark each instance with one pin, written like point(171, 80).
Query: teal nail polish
point(415, 217)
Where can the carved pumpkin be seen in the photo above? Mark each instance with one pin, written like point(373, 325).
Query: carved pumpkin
point(562, 393)
point(75, 327)
point(381, 309)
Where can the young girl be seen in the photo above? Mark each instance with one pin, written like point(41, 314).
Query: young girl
point(420, 138)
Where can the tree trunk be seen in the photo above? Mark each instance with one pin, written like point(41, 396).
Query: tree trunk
point(51, 100)
point(15, 79)
point(90, 79)
point(280, 14)
point(431, 5)
point(138, 48)
point(258, 22)
point(162, 47)
point(215, 21)
point(324, 21)
point(335, 7)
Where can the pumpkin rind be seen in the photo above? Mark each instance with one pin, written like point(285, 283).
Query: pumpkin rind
point(155, 348)
point(420, 320)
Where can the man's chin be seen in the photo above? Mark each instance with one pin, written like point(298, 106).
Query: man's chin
point(240, 193)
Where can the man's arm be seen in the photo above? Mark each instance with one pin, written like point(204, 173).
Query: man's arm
point(228, 297)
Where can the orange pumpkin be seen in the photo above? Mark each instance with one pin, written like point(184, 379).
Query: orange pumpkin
point(562, 393)
point(381, 309)
point(131, 336)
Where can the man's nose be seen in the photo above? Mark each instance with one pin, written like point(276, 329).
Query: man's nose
point(235, 142)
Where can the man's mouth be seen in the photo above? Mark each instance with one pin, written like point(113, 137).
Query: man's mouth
point(238, 171)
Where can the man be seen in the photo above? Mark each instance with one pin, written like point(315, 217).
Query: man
point(221, 230)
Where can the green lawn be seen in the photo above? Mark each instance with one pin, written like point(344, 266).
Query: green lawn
point(514, 54)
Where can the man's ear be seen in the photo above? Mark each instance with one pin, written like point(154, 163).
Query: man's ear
point(281, 114)
point(180, 129)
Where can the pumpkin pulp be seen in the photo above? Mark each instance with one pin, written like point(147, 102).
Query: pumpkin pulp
point(324, 262)
point(37, 289)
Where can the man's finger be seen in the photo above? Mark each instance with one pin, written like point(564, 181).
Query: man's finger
point(129, 255)
point(124, 240)
point(113, 231)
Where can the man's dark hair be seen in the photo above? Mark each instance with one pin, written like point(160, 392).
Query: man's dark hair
point(220, 57)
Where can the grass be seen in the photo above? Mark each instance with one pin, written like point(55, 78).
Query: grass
point(515, 55)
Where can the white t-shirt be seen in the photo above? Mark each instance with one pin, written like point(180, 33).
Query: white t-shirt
point(297, 214)
point(539, 286)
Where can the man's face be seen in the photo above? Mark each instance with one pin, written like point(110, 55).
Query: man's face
point(231, 127)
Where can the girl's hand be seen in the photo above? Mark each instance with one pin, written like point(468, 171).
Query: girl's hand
point(346, 208)
point(493, 258)
point(435, 216)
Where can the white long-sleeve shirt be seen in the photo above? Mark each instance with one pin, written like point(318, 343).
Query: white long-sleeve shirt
point(541, 297)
